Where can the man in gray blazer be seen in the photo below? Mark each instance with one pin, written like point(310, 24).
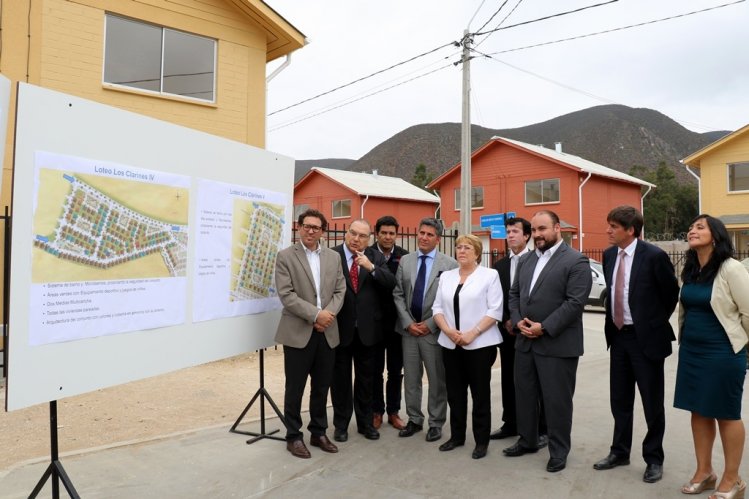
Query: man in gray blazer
point(415, 289)
point(546, 308)
point(311, 286)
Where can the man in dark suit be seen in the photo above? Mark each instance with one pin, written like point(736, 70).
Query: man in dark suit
point(643, 291)
point(546, 307)
point(386, 229)
point(518, 235)
point(311, 287)
point(360, 327)
point(415, 289)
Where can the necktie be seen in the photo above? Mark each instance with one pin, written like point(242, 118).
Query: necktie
point(354, 274)
point(417, 300)
point(619, 292)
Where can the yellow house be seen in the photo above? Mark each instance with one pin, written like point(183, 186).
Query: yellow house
point(196, 63)
point(724, 183)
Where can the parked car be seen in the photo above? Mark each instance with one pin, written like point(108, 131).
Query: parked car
point(598, 295)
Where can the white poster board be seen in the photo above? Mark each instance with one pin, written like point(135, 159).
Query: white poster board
point(106, 219)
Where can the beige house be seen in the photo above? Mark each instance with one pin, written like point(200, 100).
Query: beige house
point(211, 77)
point(724, 183)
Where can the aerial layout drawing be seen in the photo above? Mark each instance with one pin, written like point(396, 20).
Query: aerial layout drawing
point(257, 234)
point(92, 235)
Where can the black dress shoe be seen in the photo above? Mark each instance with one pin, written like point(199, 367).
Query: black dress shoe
point(543, 441)
point(556, 464)
point(340, 435)
point(504, 432)
point(369, 432)
point(518, 450)
point(479, 451)
point(434, 434)
point(611, 461)
point(323, 443)
point(410, 429)
point(451, 444)
point(653, 473)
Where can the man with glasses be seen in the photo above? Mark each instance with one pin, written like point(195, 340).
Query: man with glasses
point(415, 289)
point(311, 287)
point(359, 324)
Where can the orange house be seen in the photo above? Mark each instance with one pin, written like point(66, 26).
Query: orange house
point(344, 196)
point(512, 176)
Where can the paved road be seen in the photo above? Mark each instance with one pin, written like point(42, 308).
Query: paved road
point(217, 464)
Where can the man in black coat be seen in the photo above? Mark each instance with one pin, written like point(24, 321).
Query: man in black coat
point(643, 291)
point(360, 329)
point(386, 229)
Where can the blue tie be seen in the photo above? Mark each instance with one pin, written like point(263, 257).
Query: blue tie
point(417, 300)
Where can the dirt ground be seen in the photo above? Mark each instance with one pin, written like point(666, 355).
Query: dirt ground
point(209, 395)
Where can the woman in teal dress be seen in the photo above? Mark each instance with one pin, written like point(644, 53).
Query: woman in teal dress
point(714, 323)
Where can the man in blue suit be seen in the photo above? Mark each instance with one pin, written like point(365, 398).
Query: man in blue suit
point(643, 291)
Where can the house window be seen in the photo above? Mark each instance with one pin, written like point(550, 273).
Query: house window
point(542, 191)
point(738, 177)
point(299, 209)
point(162, 60)
point(477, 198)
point(342, 208)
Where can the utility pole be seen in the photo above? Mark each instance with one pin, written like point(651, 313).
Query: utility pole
point(465, 143)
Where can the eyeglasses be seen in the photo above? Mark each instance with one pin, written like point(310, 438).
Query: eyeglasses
point(358, 235)
point(311, 228)
point(463, 247)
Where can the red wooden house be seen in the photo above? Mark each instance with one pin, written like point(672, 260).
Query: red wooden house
point(512, 176)
point(344, 196)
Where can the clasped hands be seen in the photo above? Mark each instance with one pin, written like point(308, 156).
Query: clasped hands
point(324, 319)
point(530, 329)
point(463, 338)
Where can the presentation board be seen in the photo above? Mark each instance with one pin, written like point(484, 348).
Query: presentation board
point(139, 247)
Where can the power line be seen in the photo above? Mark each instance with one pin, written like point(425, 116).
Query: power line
point(653, 21)
point(551, 16)
point(360, 98)
point(501, 22)
point(493, 15)
point(362, 78)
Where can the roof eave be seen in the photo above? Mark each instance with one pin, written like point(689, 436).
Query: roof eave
point(694, 158)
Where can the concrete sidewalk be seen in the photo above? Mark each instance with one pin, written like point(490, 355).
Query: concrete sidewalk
point(212, 462)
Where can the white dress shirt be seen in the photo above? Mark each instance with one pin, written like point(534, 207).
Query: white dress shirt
point(543, 259)
point(313, 257)
point(630, 251)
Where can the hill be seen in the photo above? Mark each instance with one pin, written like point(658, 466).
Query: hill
point(304, 165)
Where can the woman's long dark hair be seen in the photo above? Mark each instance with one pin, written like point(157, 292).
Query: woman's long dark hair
point(722, 251)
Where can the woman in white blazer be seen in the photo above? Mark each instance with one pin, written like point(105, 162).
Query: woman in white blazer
point(466, 309)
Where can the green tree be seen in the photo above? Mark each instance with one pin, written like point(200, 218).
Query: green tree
point(421, 178)
point(671, 205)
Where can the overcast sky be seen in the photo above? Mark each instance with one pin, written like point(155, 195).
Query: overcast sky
point(694, 69)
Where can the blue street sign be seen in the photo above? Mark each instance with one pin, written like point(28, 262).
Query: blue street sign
point(511, 214)
point(499, 232)
point(490, 220)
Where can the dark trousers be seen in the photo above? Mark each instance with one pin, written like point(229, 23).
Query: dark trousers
point(315, 360)
point(392, 344)
point(359, 401)
point(552, 378)
point(464, 369)
point(630, 367)
point(509, 407)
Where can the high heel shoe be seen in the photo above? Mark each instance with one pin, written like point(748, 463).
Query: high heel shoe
point(736, 492)
point(699, 487)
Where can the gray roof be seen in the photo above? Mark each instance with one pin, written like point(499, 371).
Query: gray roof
point(369, 184)
point(742, 218)
point(578, 162)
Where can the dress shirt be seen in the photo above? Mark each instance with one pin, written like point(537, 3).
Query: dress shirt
point(480, 296)
point(543, 259)
point(313, 258)
point(630, 251)
point(428, 261)
point(514, 263)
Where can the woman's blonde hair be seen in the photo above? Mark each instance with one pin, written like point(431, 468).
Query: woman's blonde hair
point(473, 241)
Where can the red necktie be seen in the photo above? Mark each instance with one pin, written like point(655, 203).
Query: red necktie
point(619, 292)
point(354, 274)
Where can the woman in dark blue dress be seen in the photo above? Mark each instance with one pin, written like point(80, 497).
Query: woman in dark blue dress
point(714, 323)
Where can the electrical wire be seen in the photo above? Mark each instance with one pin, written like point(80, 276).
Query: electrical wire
point(362, 78)
point(501, 22)
point(493, 15)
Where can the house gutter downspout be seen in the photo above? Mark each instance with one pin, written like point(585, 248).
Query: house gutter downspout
point(275, 73)
point(642, 208)
point(366, 198)
point(699, 188)
point(580, 211)
point(439, 205)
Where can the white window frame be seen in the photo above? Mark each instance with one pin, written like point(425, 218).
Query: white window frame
point(543, 201)
point(744, 164)
point(341, 203)
point(161, 91)
point(474, 191)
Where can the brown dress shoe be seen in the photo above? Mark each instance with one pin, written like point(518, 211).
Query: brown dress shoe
point(323, 442)
point(298, 449)
point(396, 421)
point(377, 420)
